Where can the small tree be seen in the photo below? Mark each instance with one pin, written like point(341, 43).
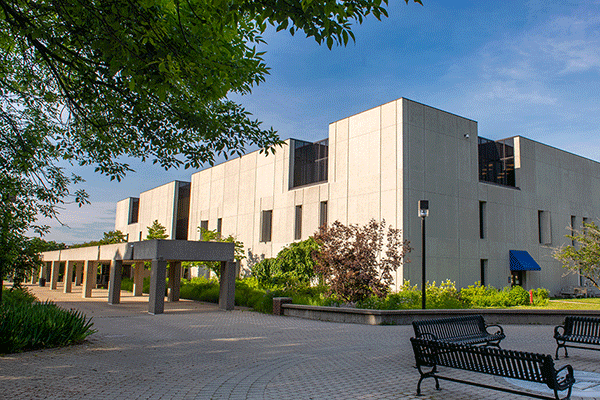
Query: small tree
point(156, 231)
point(584, 258)
point(351, 258)
point(207, 235)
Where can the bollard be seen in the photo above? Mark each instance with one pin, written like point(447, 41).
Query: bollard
point(531, 296)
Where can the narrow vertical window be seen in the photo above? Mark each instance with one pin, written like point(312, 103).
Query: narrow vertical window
point(134, 210)
point(540, 217)
point(219, 226)
point(483, 268)
point(323, 214)
point(298, 223)
point(482, 222)
point(544, 227)
point(266, 225)
point(203, 227)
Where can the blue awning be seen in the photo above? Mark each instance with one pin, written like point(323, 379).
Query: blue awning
point(520, 260)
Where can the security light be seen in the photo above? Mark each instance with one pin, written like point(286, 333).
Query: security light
point(423, 208)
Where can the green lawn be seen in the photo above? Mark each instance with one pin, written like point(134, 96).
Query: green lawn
point(569, 304)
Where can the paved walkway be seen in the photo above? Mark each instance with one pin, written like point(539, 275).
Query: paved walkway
point(196, 351)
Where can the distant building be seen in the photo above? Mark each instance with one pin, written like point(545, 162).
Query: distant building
point(496, 207)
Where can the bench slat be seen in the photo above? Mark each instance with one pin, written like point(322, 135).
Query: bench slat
point(577, 329)
point(492, 361)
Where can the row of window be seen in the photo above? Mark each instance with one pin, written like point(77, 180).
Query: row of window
point(544, 224)
point(267, 222)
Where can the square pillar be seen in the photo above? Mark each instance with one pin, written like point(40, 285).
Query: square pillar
point(54, 276)
point(114, 282)
point(138, 278)
point(78, 273)
point(89, 278)
point(68, 276)
point(227, 285)
point(156, 300)
point(174, 280)
point(43, 274)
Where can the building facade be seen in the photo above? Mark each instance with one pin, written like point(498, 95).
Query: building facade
point(497, 208)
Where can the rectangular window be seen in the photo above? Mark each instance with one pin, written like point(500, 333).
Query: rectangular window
point(203, 225)
point(134, 210)
point(298, 223)
point(483, 267)
point(266, 225)
point(482, 219)
point(544, 227)
point(219, 226)
point(323, 214)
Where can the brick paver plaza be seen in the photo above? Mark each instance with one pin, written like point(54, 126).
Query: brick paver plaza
point(195, 351)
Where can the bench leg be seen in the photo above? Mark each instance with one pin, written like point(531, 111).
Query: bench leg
point(559, 345)
point(424, 375)
point(567, 397)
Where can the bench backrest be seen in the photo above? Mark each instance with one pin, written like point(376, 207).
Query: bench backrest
point(582, 326)
point(506, 363)
point(446, 328)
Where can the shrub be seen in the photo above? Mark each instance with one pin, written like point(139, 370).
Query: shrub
point(200, 289)
point(29, 325)
point(444, 296)
point(477, 296)
point(541, 297)
point(292, 268)
point(352, 262)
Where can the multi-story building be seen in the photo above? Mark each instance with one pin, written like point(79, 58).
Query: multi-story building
point(497, 208)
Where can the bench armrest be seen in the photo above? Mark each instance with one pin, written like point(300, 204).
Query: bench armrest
point(565, 380)
point(557, 333)
point(500, 330)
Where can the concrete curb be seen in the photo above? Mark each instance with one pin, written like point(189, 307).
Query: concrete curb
point(405, 317)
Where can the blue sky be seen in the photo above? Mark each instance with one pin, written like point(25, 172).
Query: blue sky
point(516, 67)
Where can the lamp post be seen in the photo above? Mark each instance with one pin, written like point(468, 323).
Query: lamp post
point(423, 213)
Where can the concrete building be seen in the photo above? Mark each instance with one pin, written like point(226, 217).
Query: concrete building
point(496, 207)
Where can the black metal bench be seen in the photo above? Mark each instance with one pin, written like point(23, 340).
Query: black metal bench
point(466, 329)
point(585, 330)
point(505, 363)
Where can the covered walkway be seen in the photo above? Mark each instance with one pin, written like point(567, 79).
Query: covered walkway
point(82, 264)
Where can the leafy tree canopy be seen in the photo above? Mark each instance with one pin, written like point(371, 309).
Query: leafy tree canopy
point(583, 258)
point(93, 82)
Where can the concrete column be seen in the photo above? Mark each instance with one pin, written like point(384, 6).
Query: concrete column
point(89, 278)
point(114, 282)
point(43, 274)
point(68, 276)
point(174, 280)
point(138, 278)
point(227, 285)
point(156, 301)
point(78, 273)
point(54, 277)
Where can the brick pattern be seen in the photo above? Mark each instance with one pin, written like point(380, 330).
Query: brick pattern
point(196, 351)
